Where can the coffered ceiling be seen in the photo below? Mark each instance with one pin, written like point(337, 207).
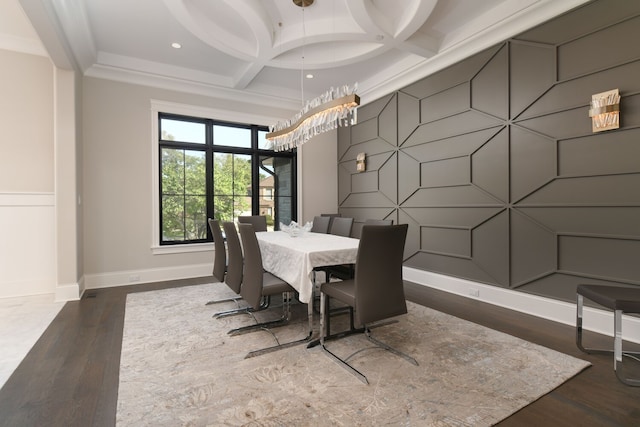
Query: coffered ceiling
point(257, 50)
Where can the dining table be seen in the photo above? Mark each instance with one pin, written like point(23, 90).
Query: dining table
point(294, 258)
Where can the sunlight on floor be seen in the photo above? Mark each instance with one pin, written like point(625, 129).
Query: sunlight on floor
point(22, 322)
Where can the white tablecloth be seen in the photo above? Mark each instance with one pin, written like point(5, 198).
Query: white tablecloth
point(293, 258)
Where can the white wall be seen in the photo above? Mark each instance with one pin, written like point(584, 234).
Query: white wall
point(27, 203)
point(26, 111)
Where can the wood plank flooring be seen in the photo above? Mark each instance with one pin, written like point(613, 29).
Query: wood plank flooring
point(70, 377)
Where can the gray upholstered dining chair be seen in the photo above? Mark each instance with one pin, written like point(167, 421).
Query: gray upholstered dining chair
point(321, 224)
point(220, 251)
point(376, 293)
point(357, 227)
point(341, 226)
point(259, 222)
point(220, 263)
point(331, 216)
point(233, 278)
point(258, 284)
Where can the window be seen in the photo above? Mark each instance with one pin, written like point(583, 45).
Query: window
point(213, 169)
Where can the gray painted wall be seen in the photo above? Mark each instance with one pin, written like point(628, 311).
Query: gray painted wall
point(493, 164)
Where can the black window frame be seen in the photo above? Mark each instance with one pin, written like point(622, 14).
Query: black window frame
point(209, 148)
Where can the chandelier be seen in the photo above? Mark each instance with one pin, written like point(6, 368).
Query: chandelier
point(336, 107)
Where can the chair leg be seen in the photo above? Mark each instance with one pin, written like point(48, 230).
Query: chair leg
point(265, 326)
point(618, 352)
point(324, 316)
point(243, 310)
point(379, 343)
point(279, 346)
point(579, 311)
point(267, 350)
point(282, 321)
point(217, 301)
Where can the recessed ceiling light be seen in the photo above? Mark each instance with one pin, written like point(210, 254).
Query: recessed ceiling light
point(309, 76)
point(176, 45)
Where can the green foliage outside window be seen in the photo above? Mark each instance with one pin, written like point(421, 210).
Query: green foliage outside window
point(183, 195)
point(231, 186)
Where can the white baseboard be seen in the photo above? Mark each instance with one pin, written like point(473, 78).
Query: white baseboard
point(132, 277)
point(70, 292)
point(600, 321)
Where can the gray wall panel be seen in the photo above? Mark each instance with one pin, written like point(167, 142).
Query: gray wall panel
point(593, 220)
point(364, 131)
point(631, 109)
point(448, 241)
point(408, 178)
point(360, 215)
point(373, 162)
point(605, 45)
point(344, 139)
point(408, 116)
point(451, 217)
point(374, 199)
point(387, 178)
point(490, 247)
point(462, 196)
point(448, 172)
point(533, 250)
point(489, 88)
point(373, 109)
point(456, 74)
point(364, 182)
point(451, 265)
point(344, 181)
point(490, 166)
point(533, 162)
point(446, 103)
point(609, 190)
point(533, 72)
point(449, 127)
point(600, 154)
point(459, 145)
point(387, 122)
point(572, 93)
point(609, 259)
point(497, 170)
point(371, 148)
point(582, 21)
point(561, 125)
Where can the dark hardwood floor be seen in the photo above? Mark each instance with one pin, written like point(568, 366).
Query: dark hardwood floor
point(70, 377)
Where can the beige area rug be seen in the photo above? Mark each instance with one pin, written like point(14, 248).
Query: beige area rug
point(179, 367)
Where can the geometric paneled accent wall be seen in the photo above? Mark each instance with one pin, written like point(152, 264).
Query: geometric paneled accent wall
point(493, 164)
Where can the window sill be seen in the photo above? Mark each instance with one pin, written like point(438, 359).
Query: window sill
point(181, 249)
